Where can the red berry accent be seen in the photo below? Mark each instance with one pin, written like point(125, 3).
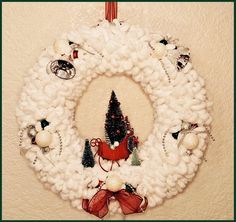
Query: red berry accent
point(193, 126)
point(136, 140)
point(33, 141)
point(75, 54)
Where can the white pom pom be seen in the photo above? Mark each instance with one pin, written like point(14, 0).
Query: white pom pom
point(190, 141)
point(114, 183)
point(62, 46)
point(43, 138)
point(116, 143)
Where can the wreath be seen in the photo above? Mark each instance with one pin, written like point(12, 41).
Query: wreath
point(117, 173)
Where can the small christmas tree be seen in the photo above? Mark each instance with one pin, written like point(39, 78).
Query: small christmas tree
point(87, 159)
point(131, 144)
point(115, 125)
point(135, 160)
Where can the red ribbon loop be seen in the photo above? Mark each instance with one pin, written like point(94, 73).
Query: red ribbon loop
point(110, 11)
point(95, 142)
point(129, 202)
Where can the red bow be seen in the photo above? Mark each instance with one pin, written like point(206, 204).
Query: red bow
point(129, 202)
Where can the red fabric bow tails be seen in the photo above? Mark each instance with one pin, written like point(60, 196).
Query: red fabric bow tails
point(129, 202)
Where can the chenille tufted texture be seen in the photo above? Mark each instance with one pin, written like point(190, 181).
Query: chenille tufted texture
point(206, 28)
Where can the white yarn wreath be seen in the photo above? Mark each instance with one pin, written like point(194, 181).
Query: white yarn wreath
point(113, 49)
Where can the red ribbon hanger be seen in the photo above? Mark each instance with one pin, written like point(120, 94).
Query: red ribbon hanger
point(110, 11)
